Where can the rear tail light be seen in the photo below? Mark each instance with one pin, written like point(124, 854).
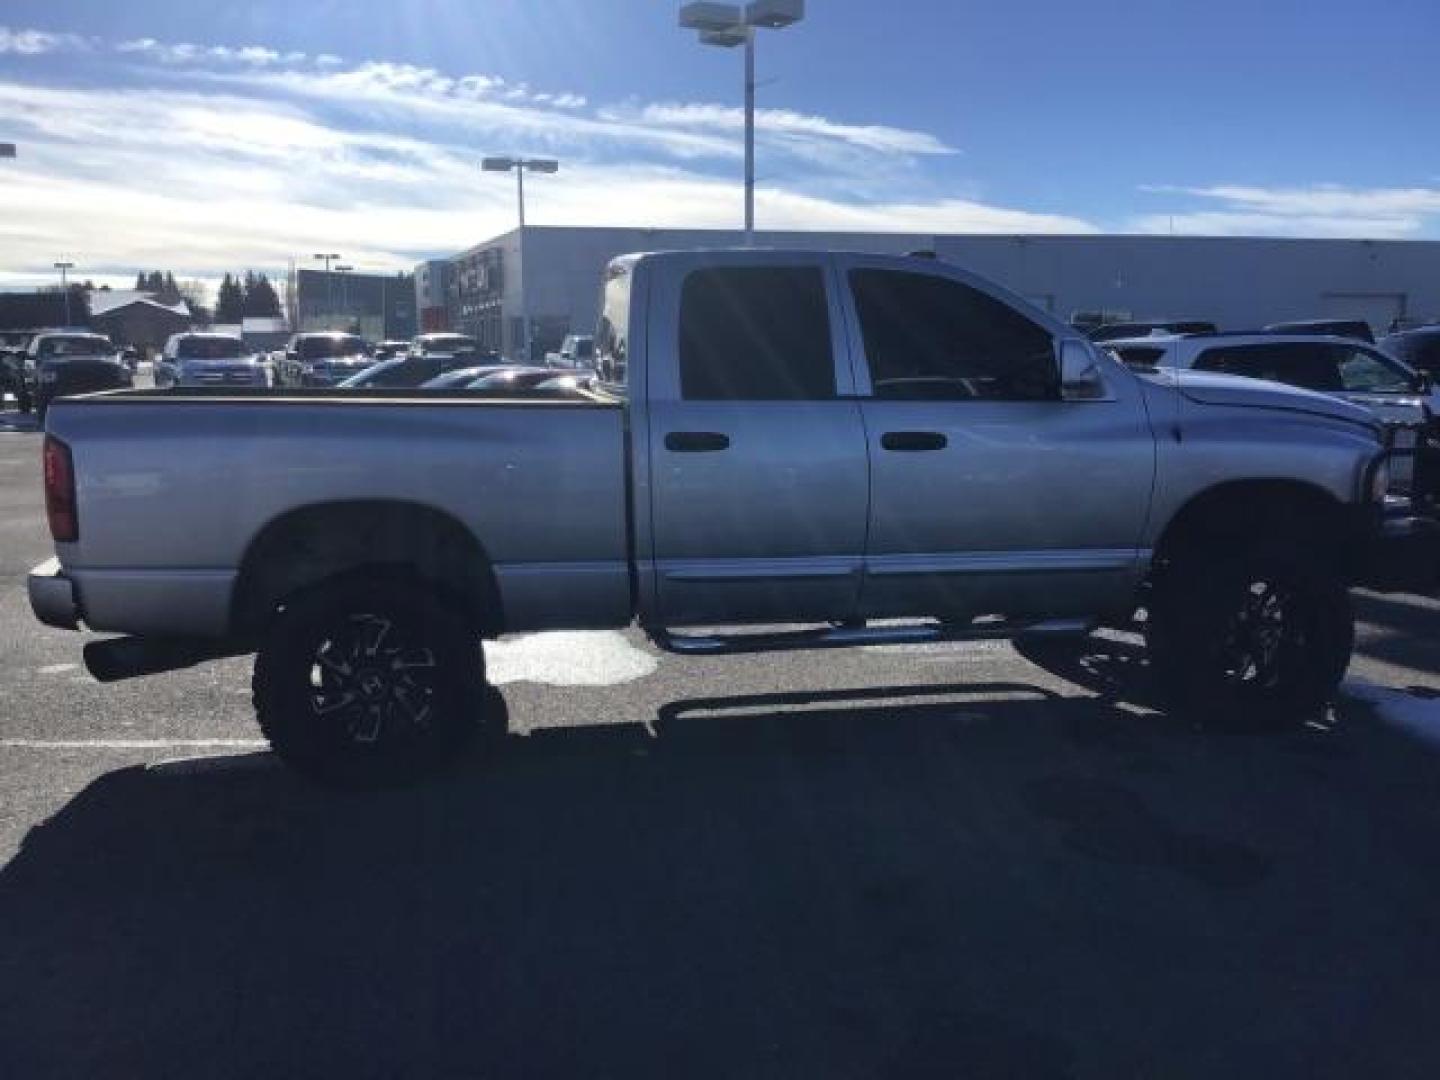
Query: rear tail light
point(60, 491)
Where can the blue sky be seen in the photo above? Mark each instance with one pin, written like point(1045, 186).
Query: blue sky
point(201, 138)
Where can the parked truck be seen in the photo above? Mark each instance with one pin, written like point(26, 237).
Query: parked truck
point(830, 449)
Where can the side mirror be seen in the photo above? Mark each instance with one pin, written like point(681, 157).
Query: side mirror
point(1081, 378)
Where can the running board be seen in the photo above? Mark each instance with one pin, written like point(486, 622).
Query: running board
point(842, 637)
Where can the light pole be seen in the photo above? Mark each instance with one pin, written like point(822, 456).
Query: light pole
point(329, 288)
point(63, 267)
point(343, 271)
point(728, 25)
point(540, 165)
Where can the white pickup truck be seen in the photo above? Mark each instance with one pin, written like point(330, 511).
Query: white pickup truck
point(860, 448)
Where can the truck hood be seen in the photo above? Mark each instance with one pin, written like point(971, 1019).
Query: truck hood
point(1238, 391)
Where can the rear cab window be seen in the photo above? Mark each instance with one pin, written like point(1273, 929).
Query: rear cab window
point(612, 335)
point(319, 348)
point(208, 348)
point(59, 347)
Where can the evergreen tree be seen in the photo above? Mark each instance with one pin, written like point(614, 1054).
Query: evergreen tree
point(230, 302)
point(261, 299)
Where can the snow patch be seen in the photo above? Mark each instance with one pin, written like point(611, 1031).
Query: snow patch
point(569, 658)
point(1418, 715)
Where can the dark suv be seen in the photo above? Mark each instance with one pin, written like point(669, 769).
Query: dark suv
point(324, 359)
point(61, 363)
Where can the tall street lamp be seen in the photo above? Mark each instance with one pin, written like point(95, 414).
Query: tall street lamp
point(344, 272)
point(729, 25)
point(63, 267)
point(329, 288)
point(520, 165)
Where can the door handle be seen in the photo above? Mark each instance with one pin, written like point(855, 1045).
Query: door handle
point(696, 442)
point(913, 442)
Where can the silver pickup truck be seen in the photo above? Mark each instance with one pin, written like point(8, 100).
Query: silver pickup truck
point(811, 449)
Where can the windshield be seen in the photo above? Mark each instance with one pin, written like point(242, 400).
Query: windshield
point(59, 348)
point(1420, 351)
point(209, 348)
point(321, 348)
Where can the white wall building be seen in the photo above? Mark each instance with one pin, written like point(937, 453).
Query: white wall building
point(1236, 282)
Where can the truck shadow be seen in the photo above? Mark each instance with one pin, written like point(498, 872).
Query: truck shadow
point(961, 881)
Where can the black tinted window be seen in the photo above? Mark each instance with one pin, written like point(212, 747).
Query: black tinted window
point(1313, 367)
point(1420, 351)
point(755, 333)
point(208, 348)
point(931, 337)
point(317, 348)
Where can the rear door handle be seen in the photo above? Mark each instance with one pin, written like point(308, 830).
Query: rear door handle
point(696, 442)
point(913, 442)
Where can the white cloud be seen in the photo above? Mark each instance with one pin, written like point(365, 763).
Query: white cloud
point(1329, 210)
point(208, 158)
point(38, 42)
point(876, 137)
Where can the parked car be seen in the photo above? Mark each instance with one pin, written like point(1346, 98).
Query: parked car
point(1420, 348)
point(462, 378)
point(1117, 330)
point(1347, 328)
point(577, 350)
point(62, 363)
point(784, 437)
point(1346, 367)
point(207, 359)
point(417, 368)
point(577, 381)
point(13, 344)
point(388, 350)
point(513, 377)
point(446, 344)
point(323, 359)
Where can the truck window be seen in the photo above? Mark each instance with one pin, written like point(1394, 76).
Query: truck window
point(755, 333)
point(612, 335)
point(1366, 372)
point(933, 338)
point(1312, 367)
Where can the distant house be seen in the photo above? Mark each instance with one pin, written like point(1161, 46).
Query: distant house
point(135, 318)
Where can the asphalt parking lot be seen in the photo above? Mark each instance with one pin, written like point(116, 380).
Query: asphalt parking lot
point(955, 861)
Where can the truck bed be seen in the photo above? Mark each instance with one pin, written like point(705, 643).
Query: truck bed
point(174, 488)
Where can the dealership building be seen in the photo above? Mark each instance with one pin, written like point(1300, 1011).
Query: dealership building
point(1235, 282)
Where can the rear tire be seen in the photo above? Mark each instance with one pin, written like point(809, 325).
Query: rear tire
point(368, 685)
point(1250, 639)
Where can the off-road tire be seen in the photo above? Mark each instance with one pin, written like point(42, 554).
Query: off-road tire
point(1258, 637)
point(369, 684)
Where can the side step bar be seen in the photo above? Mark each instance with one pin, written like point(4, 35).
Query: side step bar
point(841, 637)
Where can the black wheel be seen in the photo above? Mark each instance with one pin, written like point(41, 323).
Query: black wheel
point(369, 684)
point(1255, 638)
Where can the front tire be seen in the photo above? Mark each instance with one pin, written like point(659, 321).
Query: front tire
point(365, 685)
point(1250, 639)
